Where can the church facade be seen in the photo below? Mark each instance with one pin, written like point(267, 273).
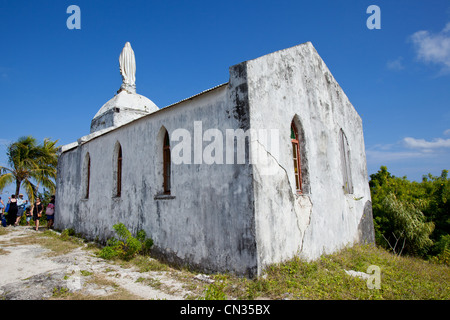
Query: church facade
point(252, 172)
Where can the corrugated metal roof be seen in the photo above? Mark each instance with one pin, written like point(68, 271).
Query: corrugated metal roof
point(96, 134)
point(196, 95)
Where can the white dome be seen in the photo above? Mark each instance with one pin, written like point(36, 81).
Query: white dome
point(121, 109)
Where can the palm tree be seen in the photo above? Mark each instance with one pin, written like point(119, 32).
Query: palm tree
point(31, 165)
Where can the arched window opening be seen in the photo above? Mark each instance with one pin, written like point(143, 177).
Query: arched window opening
point(297, 158)
point(117, 170)
point(345, 164)
point(86, 176)
point(166, 163)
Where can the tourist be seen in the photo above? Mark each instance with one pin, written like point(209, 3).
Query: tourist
point(50, 213)
point(28, 215)
point(37, 212)
point(2, 207)
point(21, 204)
point(12, 211)
point(5, 211)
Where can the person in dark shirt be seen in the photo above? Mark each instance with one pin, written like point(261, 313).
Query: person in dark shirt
point(37, 212)
point(12, 211)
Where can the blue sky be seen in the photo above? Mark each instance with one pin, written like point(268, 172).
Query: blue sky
point(53, 80)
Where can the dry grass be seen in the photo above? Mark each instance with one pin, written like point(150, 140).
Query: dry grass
point(401, 278)
point(46, 239)
point(101, 282)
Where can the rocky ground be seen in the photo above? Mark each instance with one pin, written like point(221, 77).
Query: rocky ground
point(31, 271)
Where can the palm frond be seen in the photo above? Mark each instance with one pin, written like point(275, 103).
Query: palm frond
point(6, 179)
point(27, 161)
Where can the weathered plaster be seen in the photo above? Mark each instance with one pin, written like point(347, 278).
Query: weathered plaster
point(207, 222)
point(230, 217)
point(121, 109)
point(295, 84)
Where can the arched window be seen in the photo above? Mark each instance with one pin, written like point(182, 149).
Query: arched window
point(345, 163)
point(296, 157)
point(166, 163)
point(117, 170)
point(86, 175)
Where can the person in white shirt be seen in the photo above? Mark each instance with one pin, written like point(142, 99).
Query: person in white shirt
point(21, 204)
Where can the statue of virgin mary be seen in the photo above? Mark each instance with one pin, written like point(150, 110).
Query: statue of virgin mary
point(128, 69)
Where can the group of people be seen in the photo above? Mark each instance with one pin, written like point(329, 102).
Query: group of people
point(16, 207)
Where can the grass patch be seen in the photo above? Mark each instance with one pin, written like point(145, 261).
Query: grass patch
point(144, 263)
point(154, 283)
point(99, 280)
point(58, 244)
point(85, 273)
point(60, 293)
point(401, 278)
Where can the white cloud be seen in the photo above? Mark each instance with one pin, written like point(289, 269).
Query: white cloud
point(408, 149)
point(383, 156)
point(410, 156)
point(423, 144)
point(433, 47)
point(395, 64)
point(393, 152)
point(447, 28)
point(447, 132)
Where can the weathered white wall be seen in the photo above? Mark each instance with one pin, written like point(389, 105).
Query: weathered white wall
point(208, 220)
point(231, 217)
point(295, 83)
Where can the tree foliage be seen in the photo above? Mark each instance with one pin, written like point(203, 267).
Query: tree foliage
point(31, 165)
point(125, 246)
point(411, 217)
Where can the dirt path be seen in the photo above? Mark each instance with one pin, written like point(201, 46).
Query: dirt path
point(27, 271)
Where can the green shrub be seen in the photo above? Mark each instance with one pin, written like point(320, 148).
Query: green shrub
point(442, 250)
point(125, 246)
point(147, 243)
point(65, 234)
point(411, 217)
point(108, 253)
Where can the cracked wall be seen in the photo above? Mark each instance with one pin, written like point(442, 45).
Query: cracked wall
point(295, 84)
point(236, 217)
point(206, 223)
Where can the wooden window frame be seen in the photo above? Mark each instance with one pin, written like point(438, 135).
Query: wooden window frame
point(119, 172)
point(166, 164)
point(297, 159)
point(88, 176)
